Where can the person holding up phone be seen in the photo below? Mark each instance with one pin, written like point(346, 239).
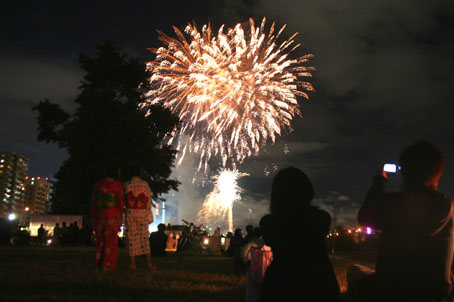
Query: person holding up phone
point(415, 254)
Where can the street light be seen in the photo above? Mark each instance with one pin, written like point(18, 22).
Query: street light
point(12, 216)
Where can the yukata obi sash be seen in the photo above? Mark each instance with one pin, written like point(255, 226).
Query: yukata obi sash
point(105, 200)
point(136, 202)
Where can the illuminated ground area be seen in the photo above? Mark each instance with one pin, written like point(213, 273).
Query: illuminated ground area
point(67, 274)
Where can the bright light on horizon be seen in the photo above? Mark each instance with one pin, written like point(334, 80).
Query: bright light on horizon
point(218, 204)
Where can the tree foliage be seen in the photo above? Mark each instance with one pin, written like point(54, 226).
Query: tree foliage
point(106, 129)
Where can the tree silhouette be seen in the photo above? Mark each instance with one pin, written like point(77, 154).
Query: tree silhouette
point(107, 128)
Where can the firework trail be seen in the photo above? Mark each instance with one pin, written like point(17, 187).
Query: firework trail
point(219, 203)
point(233, 90)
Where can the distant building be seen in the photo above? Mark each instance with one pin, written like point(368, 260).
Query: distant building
point(13, 172)
point(37, 195)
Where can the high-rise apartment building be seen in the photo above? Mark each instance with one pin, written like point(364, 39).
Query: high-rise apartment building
point(37, 195)
point(13, 172)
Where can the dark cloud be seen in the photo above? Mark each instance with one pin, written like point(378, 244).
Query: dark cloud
point(25, 82)
point(384, 71)
point(30, 79)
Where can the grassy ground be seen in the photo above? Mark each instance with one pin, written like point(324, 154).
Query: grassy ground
point(67, 274)
point(343, 260)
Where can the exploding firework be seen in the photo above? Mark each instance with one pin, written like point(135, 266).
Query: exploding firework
point(219, 203)
point(233, 90)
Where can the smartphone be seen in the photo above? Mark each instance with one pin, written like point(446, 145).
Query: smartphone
point(390, 168)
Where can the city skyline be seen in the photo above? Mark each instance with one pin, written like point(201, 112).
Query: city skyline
point(20, 194)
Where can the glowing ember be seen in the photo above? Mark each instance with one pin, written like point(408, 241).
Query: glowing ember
point(233, 90)
point(219, 203)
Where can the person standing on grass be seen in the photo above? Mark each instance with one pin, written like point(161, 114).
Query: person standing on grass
point(56, 235)
point(302, 271)
point(138, 215)
point(64, 234)
point(236, 242)
point(41, 235)
point(107, 207)
point(228, 238)
point(216, 248)
point(416, 248)
point(74, 233)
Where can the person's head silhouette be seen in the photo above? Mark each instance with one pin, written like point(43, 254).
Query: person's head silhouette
point(422, 165)
point(291, 190)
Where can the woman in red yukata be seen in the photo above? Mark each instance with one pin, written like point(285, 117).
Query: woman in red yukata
point(107, 208)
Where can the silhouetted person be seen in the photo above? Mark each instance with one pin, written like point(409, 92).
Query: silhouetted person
point(236, 242)
point(215, 241)
point(249, 233)
point(228, 238)
point(41, 233)
point(85, 235)
point(64, 234)
point(415, 254)
point(56, 235)
point(5, 231)
point(74, 233)
point(158, 241)
point(300, 269)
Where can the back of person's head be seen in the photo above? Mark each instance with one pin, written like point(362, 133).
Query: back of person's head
point(135, 169)
point(291, 190)
point(113, 170)
point(161, 227)
point(257, 232)
point(249, 228)
point(421, 163)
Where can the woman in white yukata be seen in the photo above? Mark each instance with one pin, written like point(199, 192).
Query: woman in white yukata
point(138, 215)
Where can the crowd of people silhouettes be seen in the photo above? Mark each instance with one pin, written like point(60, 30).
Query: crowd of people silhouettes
point(415, 253)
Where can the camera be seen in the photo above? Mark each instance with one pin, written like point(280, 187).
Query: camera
point(391, 168)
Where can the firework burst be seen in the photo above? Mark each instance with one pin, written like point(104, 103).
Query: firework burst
point(233, 90)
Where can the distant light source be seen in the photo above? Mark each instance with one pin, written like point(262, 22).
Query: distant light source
point(26, 209)
point(206, 241)
point(369, 231)
point(12, 216)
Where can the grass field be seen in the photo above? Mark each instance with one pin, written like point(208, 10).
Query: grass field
point(68, 274)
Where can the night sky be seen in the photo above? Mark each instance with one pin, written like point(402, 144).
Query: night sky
point(385, 77)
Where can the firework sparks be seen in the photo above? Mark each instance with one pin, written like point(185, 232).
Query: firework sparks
point(219, 203)
point(233, 90)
